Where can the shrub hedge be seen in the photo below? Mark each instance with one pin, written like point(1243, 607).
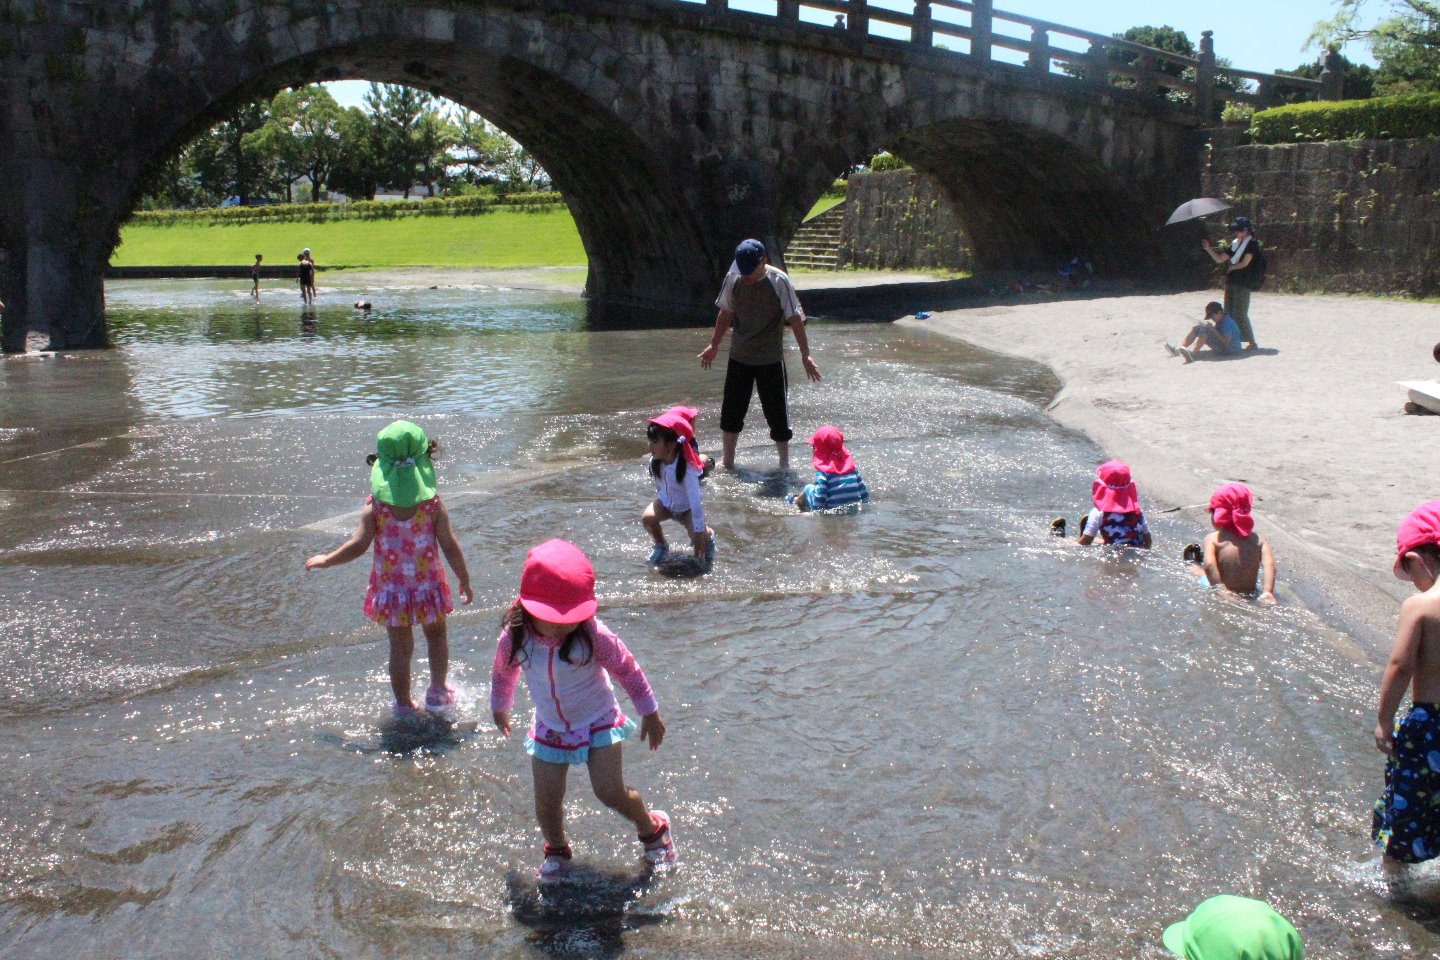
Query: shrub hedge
point(471, 205)
point(1411, 115)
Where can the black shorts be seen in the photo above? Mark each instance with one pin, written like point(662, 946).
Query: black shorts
point(741, 380)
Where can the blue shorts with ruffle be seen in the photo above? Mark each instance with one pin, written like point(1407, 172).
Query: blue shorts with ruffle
point(555, 746)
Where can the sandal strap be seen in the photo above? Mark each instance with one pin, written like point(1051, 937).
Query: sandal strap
point(655, 837)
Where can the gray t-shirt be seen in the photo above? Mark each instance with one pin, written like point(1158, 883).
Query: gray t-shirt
point(761, 311)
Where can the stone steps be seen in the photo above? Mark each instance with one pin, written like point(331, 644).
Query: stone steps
point(816, 245)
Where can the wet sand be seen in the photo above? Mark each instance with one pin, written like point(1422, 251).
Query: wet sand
point(1312, 423)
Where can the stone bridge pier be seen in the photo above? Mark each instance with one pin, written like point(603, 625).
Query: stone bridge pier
point(672, 130)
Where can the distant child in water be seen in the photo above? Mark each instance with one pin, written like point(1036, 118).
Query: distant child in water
point(255, 278)
point(837, 480)
point(1406, 823)
point(1116, 517)
point(1234, 556)
point(568, 657)
point(407, 522)
point(676, 467)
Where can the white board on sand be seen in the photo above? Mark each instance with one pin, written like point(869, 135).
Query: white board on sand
point(1424, 393)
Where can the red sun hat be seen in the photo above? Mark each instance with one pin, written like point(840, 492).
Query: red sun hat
point(681, 421)
point(557, 583)
point(1420, 527)
point(1113, 491)
point(1230, 508)
point(830, 455)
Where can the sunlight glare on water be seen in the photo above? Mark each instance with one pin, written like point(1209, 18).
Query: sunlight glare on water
point(928, 729)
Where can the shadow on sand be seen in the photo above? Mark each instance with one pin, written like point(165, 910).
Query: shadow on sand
point(586, 914)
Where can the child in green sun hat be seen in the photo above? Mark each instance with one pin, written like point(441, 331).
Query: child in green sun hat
point(1234, 928)
point(404, 518)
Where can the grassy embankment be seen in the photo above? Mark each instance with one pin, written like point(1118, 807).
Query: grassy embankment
point(501, 239)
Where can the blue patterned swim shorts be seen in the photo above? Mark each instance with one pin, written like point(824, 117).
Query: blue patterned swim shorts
point(1406, 823)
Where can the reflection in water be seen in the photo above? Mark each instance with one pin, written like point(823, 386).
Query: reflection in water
point(926, 730)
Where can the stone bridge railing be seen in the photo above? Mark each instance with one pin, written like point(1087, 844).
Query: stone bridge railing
point(986, 29)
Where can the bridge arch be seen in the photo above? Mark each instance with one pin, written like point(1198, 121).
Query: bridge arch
point(672, 132)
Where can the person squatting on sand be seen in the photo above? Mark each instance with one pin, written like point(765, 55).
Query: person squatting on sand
point(1116, 517)
point(837, 480)
point(1233, 556)
point(408, 524)
point(677, 467)
point(568, 657)
point(1406, 821)
point(756, 303)
point(1219, 332)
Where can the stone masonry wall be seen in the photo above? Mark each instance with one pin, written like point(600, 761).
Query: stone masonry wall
point(898, 219)
point(1340, 217)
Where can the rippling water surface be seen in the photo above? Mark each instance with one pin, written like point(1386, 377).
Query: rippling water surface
point(927, 730)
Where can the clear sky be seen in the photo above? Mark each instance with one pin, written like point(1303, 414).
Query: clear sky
point(1257, 35)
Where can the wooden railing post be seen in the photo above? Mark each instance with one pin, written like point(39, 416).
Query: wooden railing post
point(1145, 84)
point(1039, 59)
point(1332, 76)
point(1097, 65)
point(922, 31)
point(982, 27)
point(787, 11)
point(1205, 77)
point(717, 6)
point(858, 22)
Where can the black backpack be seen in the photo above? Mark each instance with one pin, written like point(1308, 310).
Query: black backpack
point(1255, 273)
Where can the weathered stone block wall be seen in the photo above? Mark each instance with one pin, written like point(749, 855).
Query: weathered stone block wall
point(898, 219)
point(1340, 217)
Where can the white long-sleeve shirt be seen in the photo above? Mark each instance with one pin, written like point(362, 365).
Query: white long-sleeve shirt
point(680, 496)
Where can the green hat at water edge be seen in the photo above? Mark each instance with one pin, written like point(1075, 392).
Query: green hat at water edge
point(1234, 928)
point(402, 475)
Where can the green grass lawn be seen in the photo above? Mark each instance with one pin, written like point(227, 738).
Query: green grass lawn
point(502, 238)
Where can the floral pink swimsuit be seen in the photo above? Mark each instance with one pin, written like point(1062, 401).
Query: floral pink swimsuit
point(407, 582)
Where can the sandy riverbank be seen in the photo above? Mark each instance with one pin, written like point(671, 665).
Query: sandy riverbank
point(1312, 423)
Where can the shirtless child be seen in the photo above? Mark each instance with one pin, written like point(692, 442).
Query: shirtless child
point(1234, 556)
point(1406, 822)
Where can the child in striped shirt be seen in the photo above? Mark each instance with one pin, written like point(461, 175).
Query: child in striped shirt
point(837, 481)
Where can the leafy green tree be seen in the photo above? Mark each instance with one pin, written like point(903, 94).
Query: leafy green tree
point(1359, 82)
point(397, 111)
point(302, 137)
point(435, 136)
point(1169, 39)
point(1406, 45)
point(356, 170)
point(225, 162)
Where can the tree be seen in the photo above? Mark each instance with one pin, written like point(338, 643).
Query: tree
point(396, 112)
point(225, 164)
point(1169, 39)
point(302, 137)
point(435, 135)
point(1359, 83)
point(356, 170)
point(1406, 45)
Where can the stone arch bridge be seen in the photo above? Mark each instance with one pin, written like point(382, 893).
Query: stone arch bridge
point(673, 129)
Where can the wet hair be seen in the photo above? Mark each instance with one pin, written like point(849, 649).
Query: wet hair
point(669, 436)
point(516, 622)
point(432, 450)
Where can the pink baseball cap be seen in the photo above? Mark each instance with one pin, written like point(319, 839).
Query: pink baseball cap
point(1420, 527)
point(557, 583)
point(1113, 491)
point(830, 455)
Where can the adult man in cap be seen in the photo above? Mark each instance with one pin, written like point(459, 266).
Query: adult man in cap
point(1240, 274)
point(756, 303)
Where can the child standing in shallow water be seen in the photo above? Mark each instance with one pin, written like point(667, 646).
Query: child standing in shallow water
point(1406, 822)
point(1234, 556)
point(405, 519)
point(676, 467)
point(568, 658)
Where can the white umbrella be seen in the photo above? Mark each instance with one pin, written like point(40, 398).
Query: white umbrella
point(1198, 207)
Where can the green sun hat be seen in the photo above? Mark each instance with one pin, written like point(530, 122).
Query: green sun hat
point(1234, 928)
point(403, 474)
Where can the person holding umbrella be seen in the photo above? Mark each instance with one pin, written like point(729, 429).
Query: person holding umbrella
point(1242, 271)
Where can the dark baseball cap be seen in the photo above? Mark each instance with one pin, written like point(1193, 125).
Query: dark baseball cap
point(1241, 223)
point(748, 256)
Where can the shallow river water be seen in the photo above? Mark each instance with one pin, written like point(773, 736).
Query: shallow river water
point(928, 730)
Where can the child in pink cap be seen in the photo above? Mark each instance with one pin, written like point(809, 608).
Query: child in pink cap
point(1406, 822)
point(1116, 517)
point(568, 657)
point(837, 480)
point(1233, 556)
point(677, 466)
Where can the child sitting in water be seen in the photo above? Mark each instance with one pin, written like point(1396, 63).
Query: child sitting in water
point(1234, 556)
point(408, 524)
point(1116, 517)
point(676, 467)
point(837, 480)
point(1406, 822)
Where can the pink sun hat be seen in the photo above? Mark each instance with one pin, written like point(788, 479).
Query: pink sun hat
point(1230, 508)
point(557, 583)
point(830, 455)
point(1113, 491)
point(1420, 526)
point(681, 421)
